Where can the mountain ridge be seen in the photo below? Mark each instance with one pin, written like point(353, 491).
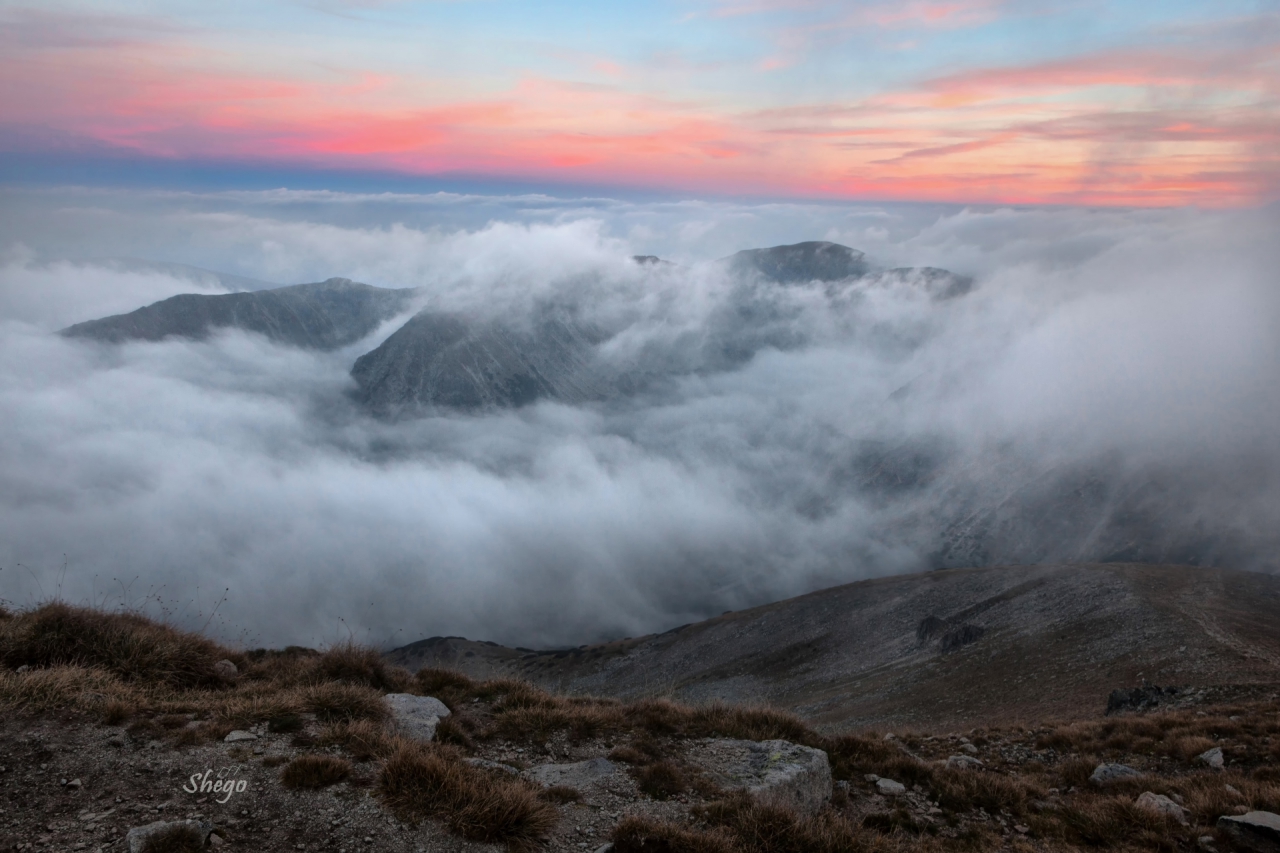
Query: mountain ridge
point(947, 647)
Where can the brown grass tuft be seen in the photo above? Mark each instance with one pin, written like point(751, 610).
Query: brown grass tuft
point(763, 828)
point(312, 772)
point(126, 644)
point(362, 739)
point(661, 779)
point(363, 666)
point(637, 834)
point(420, 781)
point(338, 702)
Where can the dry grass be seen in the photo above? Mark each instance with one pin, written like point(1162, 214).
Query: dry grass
point(762, 828)
point(97, 663)
point(636, 834)
point(313, 772)
point(662, 779)
point(420, 781)
point(128, 645)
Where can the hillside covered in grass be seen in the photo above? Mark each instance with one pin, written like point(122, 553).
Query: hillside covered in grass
point(108, 715)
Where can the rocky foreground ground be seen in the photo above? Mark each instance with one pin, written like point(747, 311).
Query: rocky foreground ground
point(113, 724)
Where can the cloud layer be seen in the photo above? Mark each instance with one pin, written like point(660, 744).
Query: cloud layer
point(1137, 344)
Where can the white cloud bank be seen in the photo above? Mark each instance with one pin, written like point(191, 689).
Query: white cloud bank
point(1138, 350)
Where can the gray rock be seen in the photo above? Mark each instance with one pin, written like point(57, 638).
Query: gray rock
point(580, 774)
point(890, 788)
point(1162, 805)
point(416, 716)
point(1256, 831)
point(1213, 758)
point(963, 762)
point(325, 315)
point(238, 735)
point(969, 748)
point(486, 764)
point(23, 668)
point(772, 771)
point(226, 670)
point(137, 837)
point(1105, 774)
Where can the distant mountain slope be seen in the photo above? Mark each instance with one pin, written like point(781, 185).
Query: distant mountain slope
point(441, 359)
point(801, 263)
point(446, 360)
point(947, 648)
point(324, 315)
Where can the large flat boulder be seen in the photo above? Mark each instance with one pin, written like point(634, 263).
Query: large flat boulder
point(773, 771)
point(1258, 832)
point(416, 716)
point(579, 774)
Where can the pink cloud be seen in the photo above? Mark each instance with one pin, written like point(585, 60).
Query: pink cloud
point(1195, 124)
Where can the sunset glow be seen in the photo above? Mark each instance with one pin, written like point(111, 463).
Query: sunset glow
point(965, 101)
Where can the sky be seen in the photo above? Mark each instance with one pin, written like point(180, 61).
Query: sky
point(1065, 102)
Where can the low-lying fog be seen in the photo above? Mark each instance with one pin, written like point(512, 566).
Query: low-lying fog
point(1126, 360)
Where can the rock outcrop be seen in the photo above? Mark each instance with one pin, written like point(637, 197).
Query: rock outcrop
point(1160, 804)
point(1258, 832)
point(578, 775)
point(416, 716)
point(775, 771)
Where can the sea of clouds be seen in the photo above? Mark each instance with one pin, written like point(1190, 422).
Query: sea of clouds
point(1144, 345)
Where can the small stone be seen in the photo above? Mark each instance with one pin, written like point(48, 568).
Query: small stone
point(215, 840)
point(1105, 774)
point(890, 736)
point(969, 748)
point(1205, 842)
point(238, 736)
point(23, 668)
point(226, 670)
point(1212, 757)
point(1232, 791)
point(1161, 804)
point(890, 788)
point(871, 777)
point(963, 762)
point(74, 784)
point(605, 848)
point(1020, 829)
